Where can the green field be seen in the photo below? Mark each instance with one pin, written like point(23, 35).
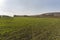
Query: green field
point(29, 28)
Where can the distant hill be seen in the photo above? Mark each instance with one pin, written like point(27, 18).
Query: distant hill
point(20, 15)
point(4, 16)
point(51, 14)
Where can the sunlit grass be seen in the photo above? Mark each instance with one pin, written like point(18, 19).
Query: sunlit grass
point(28, 28)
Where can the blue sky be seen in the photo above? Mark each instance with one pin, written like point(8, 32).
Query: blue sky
point(11, 7)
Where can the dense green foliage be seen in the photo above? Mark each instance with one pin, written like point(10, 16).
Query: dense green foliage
point(28, 28)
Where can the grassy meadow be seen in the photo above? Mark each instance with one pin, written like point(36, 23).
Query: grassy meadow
point(29, 28)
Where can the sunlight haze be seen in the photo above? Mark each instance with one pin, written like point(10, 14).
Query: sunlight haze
point(28, 7)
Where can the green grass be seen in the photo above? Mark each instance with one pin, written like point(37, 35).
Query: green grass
point(29, 28)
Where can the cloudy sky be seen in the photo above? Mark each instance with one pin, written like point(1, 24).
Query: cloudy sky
point(29, 7)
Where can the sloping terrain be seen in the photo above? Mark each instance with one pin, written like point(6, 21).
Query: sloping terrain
point(50, 14)
point(28, 28)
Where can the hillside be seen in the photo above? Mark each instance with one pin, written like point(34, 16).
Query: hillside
point(28, 28)
point(51, 14)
